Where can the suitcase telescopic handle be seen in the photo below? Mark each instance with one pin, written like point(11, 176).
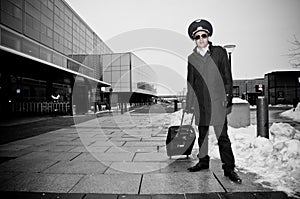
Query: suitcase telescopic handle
point(183, 112)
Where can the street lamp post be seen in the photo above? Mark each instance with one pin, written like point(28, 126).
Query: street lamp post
point(229, 49)
point(246, 83)
point(110, 96)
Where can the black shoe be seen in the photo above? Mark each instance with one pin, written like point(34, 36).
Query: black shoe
point(202, 164)
point(233, 176)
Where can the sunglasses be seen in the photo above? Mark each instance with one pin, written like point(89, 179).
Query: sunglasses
point(203, 36)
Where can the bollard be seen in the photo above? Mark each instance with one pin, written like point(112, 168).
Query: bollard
point(122, 108)
point(175, 105)
point(262, 117)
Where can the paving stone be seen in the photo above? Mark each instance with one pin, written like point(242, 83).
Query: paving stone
point(89, 149)
point(130, 144)
point(179, 183)
point(27, 195)
point(79, 149)
point(130, 196)
point(26, 165)
point(244, 195)
point(135, 167)
point(105, 157)
point(13, 154)
point(4, 176)
point(5, 159)
point(248, 182)
point(13, 147)
point(151, 157)
point(104, 136)
point(43, 195)
point(99, 149)
point(138, 133)
point(77, 142)
point(39, 182)
point(202, 196)
point(51, 148)
point(108, 143)
point(134, 149)
point(113, 184)
point(68, 195)
point(168, 196)
point(33, 141)
point(116, 134)
point(154, 139)
point(49, 155)
point(88, 133)
point(77, 167)
point(270, 195)
point(101, 196)
point(177, 166)
point(121, 139)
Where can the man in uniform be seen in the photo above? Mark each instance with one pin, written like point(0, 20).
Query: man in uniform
point(209, 96)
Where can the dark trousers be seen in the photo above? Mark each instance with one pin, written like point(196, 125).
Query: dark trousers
point(224, 143)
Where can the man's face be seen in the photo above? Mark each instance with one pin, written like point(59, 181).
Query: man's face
point(201, 39)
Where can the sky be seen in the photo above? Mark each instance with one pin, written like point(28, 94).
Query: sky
point(156, 31)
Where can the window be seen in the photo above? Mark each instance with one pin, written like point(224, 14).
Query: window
point(57, 59)
point(10, 40)
point(11, 14)
point(45, 54)
point(125, 59)
point(116, 60)
point(30, 48)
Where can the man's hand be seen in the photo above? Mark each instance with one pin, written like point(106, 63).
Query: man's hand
point(229, 100)
point(228, 110)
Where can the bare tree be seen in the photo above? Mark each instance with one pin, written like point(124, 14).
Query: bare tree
point(295, 53)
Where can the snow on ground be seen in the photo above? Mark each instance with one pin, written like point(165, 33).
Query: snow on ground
point(237, 100)
point(294, 114)
point(276, 160)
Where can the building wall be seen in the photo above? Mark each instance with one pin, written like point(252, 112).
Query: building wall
point(50, 30)
point(284, 86)
point(280, 87)
point(246, 86)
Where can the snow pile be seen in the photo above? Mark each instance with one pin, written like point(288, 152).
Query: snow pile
point(237, 100)
point(276, 160)
point(293, 114)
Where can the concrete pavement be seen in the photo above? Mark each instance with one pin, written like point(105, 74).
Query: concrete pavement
point(114, 155)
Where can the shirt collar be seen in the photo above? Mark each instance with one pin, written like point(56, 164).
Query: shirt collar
point(202, 51)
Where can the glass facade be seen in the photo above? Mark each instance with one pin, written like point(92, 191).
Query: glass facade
point(283, 87)
point(128, 73)
point(50, 30)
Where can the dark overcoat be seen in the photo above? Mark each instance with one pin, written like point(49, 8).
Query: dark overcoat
point(209, 86)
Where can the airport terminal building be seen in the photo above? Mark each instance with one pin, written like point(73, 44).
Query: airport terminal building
point(51, 60)
point(132, 80)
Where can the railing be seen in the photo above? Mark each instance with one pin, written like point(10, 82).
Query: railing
point(41, 107)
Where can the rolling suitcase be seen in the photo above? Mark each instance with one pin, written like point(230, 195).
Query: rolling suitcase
point(180, 139)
